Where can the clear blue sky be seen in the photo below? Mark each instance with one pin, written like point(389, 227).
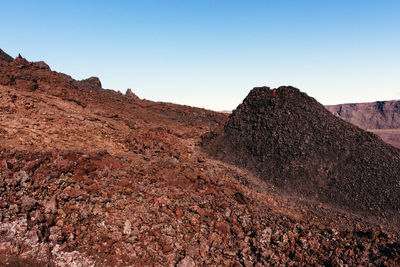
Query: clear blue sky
point(210, 53)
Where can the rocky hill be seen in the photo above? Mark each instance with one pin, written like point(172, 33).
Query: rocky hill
point(292, 141)
point(93, 177)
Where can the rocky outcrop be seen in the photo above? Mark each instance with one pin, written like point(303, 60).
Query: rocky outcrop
point(291, 140)
point(41, 65)
point(131, 94)
point(92, 83)
point(374, 115)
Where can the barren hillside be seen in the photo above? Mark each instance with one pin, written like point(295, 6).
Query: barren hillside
point(92, 177)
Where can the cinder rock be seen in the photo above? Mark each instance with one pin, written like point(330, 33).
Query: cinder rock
point(223, 228)
point(50, 206)
point(28, 203)
point(186, 262)
point(18, 178)
point(204, 248)
point(127, 228)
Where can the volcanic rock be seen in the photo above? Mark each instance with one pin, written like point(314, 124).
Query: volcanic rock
point(129, 93)
point(42, 65)
point(5, 57)
point(291, 140)
point(186, 262)
point(96, 178)
point(92, 83)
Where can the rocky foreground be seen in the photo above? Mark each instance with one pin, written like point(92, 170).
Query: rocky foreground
point(92, 177)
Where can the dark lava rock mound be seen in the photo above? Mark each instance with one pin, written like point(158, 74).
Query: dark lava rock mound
point(291, 140)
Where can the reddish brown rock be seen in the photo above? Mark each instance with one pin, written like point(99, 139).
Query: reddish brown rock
point(222, 227)
point(186, 262)
point(91, 177)
point(5, 57)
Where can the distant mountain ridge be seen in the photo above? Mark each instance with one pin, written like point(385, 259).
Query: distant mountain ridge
point(373, 115)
